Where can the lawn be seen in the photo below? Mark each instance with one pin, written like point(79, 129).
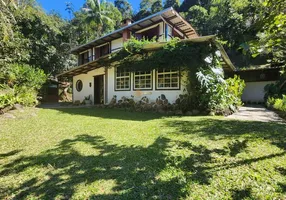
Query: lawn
point(82, 153)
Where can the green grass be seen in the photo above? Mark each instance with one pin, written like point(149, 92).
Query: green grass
point(83, 153)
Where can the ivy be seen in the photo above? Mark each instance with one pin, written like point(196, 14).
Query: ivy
point(206, 88)
point(174, 54)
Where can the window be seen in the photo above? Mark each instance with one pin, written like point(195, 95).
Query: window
point(84, 58)
point(122, 79)
point(79, 85)
point(168, 79)
point(143, 80)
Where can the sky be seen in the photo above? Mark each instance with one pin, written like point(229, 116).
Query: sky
point(60, 5)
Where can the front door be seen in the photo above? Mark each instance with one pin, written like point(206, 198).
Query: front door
point(98, 89)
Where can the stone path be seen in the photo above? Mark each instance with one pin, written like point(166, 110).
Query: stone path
point(256, 113)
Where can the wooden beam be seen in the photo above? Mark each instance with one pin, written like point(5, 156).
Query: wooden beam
point(173, 17)
point(189, 31)
point(170, 23)
point(179, 23)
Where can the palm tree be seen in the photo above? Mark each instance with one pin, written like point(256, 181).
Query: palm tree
point(96, 11)
point(104, 16)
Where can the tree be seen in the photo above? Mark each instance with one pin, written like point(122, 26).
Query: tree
point(141, 14)
point(104, 16)
point(124, 7)
point(185, 6)
point(199, 18)
point(271, 32)
point(172, 3)
point(12, 42)
point(157, 6)
point(146, 5)
point(7, 18)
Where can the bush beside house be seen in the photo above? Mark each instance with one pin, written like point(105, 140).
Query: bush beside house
point(275, 95)
point(20, 84)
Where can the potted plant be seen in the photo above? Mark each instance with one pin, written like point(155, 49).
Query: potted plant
point(87, 100)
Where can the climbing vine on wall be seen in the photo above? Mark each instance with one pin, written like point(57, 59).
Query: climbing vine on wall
point(198, 59)
point(174, 54)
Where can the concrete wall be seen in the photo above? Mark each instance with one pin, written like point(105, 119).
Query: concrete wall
point(254, 91)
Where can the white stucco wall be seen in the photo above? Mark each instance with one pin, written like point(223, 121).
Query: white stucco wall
point(88, 78)
point(115, 44)
point(86, 89)
point(254, 91)
point(171, 95)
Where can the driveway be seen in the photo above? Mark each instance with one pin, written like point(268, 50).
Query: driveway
point(256, 113)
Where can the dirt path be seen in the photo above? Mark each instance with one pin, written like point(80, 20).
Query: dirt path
point(256, 113)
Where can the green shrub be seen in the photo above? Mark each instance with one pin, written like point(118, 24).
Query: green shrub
point(7, 96)
point(270, 102)
point(26, 96)
point(217, 95)
point(280, 104)
point(20, 84)
point(275, 90)
point(25, 75)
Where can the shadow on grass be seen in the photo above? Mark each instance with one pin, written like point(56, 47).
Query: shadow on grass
point(134, 170)
point(106, 113)
point(241, 194)
point(11, 153)
point(215, 129)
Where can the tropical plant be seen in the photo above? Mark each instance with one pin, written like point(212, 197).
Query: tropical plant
point(280, 104)
point(276, 89)
point(105, 15)
point(20, 84)
point(216, 94)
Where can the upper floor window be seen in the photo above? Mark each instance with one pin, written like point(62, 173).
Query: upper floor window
point(148, 34)
point(122, 79)
point(104, 50)
point(168, 79)
point(143, 80)
point(83, 58)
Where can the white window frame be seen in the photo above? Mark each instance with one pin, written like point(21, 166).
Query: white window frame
point(124, 78)
point(168, 72)
point(144, 75)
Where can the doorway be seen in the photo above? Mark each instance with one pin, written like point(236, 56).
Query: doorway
point(99, 89)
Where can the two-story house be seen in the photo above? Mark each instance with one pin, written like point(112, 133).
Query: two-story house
point(102, 83)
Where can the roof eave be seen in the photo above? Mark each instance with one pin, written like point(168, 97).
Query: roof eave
point(75, 50)
point(159, 45)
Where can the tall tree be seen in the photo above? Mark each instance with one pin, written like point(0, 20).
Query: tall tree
point(271, 32)
point(172, 3)
point(105, 16)
point(157, 6)
point(146, 5)
point(199, 18)
point(7, 18)
point(124, 7)
point(186, 4)
point(141, 14)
